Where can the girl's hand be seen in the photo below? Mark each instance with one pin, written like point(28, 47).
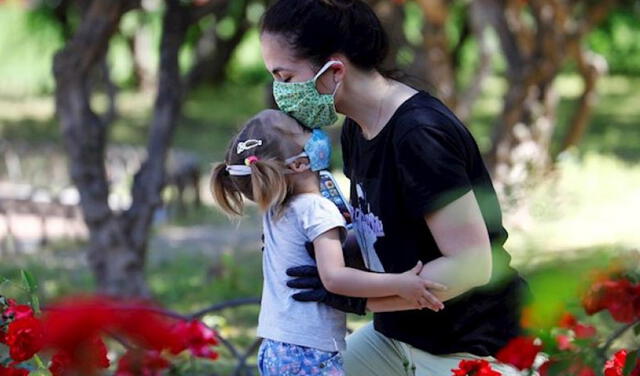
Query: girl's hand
point(415, 289)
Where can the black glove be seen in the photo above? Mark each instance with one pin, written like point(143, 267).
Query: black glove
point(307, 277)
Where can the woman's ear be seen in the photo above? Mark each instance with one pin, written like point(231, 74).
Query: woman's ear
point(339, 68)
point(299, 165)
point(329, 82)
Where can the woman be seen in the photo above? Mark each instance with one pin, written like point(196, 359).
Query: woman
point(419, 191)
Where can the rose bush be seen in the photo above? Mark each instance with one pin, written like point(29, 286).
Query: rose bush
point(573, 348)
point(71, 334)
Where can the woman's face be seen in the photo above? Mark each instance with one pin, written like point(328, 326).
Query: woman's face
point(283, 65)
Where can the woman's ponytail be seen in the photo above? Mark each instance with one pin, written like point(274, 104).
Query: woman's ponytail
point(225, 192)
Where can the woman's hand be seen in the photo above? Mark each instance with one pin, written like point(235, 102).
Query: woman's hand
point(414, 288)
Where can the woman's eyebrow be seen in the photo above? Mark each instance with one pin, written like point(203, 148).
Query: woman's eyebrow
point(277, 70)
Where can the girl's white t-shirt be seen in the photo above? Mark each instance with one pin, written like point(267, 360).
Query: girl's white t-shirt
point(282, 318)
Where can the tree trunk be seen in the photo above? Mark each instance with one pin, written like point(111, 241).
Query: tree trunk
point(478, 25)
point(117, 241)
point(214, 52)
point(522, 135)
point(391, 17)
point(439, 61)
point(150, 179)
point(112, 257)
point(590, 66)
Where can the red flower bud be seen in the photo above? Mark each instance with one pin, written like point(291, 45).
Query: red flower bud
point(24, 338)
point(520, 352)
point(475, 367)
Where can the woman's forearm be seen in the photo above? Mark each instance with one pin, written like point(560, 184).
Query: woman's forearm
point(460, 274)
point(461, 235)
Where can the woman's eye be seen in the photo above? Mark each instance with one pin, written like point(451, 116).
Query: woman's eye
point(288, 79)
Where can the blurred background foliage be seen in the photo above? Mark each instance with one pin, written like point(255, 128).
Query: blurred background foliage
point(573, 218)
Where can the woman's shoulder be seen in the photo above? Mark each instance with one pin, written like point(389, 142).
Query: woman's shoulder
point(426, 113)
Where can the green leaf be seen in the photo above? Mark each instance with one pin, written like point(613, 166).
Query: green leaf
point(39, 362)
point(29, 281)
point(630, 364)
point(40, 372)
point(35, 303)
point(636, 329)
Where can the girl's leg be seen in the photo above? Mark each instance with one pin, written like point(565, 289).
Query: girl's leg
point(370, 353)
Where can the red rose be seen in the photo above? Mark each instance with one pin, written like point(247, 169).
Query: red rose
point(197, 338)
point(75, 320)
point(17, 311)
point(615, 365)
point(10, 371)
point(620, 297)
point(146, 328)
point(476, 367)
point(60, 362)
point(520, 352)
point(564, 342)
point(24, 338)
point(89, 356)
point(142, 363)
point(568, 321)
point(544, 368)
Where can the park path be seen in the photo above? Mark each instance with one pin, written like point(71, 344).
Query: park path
point(205, 240)
point(166, 241)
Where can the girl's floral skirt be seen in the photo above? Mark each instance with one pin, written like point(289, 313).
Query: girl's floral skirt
point(284, 359)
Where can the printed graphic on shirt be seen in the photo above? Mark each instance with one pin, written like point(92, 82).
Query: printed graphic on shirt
point(368, 228)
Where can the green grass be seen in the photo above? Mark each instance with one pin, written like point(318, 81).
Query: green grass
point(184, 284)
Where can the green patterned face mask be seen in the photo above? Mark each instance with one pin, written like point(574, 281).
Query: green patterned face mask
point(303, 101)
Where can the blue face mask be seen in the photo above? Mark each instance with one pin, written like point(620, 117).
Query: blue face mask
point(317, 149)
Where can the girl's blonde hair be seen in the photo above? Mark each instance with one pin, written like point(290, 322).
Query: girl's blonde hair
point(279, 137)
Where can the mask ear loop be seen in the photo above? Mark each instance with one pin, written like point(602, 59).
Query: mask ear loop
point(322, 70)
point(290, 160)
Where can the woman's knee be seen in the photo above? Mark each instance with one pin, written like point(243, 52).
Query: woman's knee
point(370, 353)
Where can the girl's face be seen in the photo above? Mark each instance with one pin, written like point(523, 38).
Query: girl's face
point(283, 65)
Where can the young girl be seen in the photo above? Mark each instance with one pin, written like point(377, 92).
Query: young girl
point(273, 162)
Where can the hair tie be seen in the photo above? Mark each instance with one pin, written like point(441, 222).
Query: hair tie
point(251, 160)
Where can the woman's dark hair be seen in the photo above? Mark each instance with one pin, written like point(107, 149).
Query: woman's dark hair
point(316, 29)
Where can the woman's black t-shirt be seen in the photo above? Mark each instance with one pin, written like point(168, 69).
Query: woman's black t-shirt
point(423, 159)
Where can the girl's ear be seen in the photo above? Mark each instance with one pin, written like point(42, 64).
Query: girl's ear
point(299, 165)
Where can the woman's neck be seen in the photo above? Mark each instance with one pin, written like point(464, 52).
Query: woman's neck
point(370, 100)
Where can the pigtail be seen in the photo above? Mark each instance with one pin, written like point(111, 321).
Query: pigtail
point(225, 192)
point(268, 184)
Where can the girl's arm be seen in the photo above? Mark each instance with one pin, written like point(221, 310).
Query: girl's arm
point(390, 304)
point(340, 279)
